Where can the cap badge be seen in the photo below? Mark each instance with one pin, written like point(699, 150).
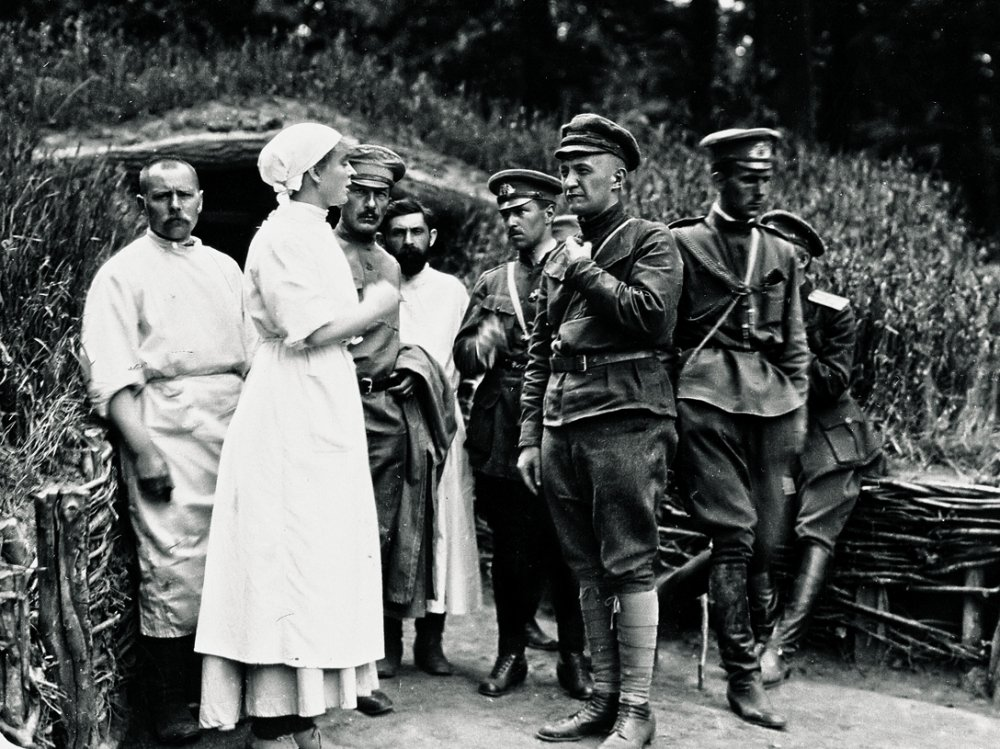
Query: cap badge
point(760, 150)
point(506, 189)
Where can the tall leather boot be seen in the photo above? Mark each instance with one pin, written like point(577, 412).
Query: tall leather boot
point(792, 624)
point(427, 651)
point(636, 724)
point(169, 662)
point(763, 595)
point(392, 633)
point(599, 713)
point(730, 616)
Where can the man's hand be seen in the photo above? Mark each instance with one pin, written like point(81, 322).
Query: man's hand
point(575, 250)
point(403, 383)
point(153, 475)
point(529, 464)
point(490, 336)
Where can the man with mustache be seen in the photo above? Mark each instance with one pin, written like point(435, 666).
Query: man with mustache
point(430, 311)
point(741, 392)
point(597, 429)
point(390, 388)
point(166, 343)
point(493, 342)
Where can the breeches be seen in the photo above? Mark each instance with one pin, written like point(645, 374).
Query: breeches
point(603, 479)
point(730, 467)
point(825, 504)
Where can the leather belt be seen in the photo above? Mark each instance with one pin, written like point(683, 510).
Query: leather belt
point(369, 385)
point(583, 362)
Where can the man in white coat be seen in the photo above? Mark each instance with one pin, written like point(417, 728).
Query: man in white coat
point(431, 308)
point(166, 343)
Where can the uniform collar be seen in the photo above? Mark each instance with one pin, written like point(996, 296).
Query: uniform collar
point(595, 227)
point(724, 221)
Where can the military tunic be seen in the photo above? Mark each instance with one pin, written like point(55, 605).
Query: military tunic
point(738, 394)
point(525, 548)
point(597, 380)
point(840, 444)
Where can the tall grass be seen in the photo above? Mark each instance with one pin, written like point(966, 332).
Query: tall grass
point(898, 245)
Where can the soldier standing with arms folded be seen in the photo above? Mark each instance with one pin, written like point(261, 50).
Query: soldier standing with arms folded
point(598, 420)
point(741, 392)
point(493, 342)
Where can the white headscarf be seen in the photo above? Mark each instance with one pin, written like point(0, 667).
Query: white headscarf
point(290, 153)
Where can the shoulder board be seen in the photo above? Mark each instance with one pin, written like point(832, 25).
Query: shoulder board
point(826, 299)
point(682, 222)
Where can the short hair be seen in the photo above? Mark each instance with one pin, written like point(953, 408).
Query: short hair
point(168, 163)
point(406, 206)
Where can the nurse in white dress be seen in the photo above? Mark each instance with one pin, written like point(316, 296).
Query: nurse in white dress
point(291, 614)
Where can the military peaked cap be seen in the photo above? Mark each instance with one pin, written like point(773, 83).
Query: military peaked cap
point(751, 148)
point(591, 133)
point(796, 228)
point(375, 166)
point(515, 187)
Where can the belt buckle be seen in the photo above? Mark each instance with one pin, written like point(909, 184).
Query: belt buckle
point(582, 362)
point(365, 385)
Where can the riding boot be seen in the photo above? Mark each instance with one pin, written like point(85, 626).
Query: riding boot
point(730, 616)
point(427, 651)
point(392, 630)
point(792, 624)
point(763, 595)
point(169, 663)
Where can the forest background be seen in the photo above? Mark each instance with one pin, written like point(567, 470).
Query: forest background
point(890, 110)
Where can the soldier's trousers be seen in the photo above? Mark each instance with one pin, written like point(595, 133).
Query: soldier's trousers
point(730, 467)
point(825, 503)
point(603, 478)
point(526, 555)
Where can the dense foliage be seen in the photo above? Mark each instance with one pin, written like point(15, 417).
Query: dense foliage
point(899, 246)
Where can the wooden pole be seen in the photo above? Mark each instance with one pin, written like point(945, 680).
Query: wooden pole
point(972, 609)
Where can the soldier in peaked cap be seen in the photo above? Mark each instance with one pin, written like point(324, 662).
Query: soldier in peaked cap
point(598, 411)
point(741, 390)
point(840, 448)
point(385, 387)
point(493, 342)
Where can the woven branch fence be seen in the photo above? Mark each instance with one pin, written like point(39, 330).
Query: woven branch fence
point(917, 575)
point(67, 625)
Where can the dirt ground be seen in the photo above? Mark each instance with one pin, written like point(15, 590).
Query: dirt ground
point(829, 704)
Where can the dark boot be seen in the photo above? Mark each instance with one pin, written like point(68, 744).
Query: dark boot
point(763, 597)
point(510, 670)
point(169, 663)
point(730, 614)
point(427, 651)
point(635, 727)
point(573, 672)
point(792, 624)
point(596, 718)
point(377, 703)
point(393, 634)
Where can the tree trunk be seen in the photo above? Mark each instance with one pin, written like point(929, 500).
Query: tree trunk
point(783, 60)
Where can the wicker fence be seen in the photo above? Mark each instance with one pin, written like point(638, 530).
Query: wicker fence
point(917, 576)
